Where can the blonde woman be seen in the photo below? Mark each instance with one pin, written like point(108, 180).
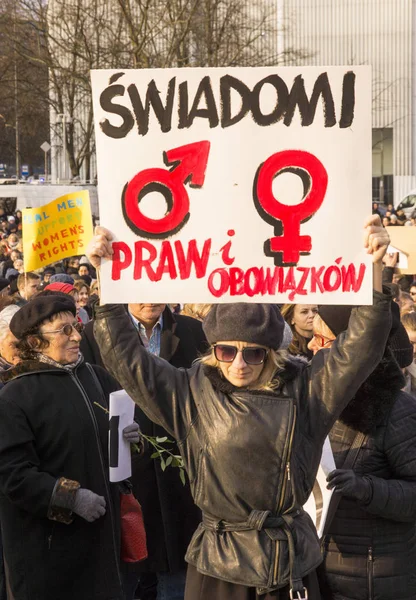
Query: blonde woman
point(250, 426)
point(196, 311)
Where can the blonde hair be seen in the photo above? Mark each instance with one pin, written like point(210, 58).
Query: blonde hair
point(196, 311)
point(267, 381)
point(298, 344)
point(409, 321)
point(79, 284)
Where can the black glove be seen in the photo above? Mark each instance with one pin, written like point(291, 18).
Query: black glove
point(88, 505)
point(351, 485)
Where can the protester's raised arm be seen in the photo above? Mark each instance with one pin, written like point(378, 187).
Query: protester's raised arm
point(376, 240)
point(355, 353)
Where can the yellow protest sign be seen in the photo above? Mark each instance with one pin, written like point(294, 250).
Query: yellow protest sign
point(56, 230)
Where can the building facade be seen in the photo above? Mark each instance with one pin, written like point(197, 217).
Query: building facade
point(380, 33)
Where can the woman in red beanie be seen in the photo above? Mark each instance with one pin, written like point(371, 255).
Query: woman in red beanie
point(71, 290)
point(250, 424)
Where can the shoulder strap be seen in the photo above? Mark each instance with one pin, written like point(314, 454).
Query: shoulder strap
point(348, 463)
point(354, 450)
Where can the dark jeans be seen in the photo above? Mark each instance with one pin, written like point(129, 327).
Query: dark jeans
point(171, 586)
point(162, 586)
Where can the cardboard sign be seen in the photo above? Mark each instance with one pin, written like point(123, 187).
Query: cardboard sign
point(56, 230)
point(403, 240)
point(121, 414)
point(235, 184)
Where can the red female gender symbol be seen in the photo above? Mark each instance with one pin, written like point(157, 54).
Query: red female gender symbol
point(289, 243)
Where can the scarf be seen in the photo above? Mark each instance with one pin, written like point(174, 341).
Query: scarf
point(68, 367)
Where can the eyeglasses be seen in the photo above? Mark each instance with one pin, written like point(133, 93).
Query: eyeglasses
point(68, 328)
point(251, 355)
point(322, 341)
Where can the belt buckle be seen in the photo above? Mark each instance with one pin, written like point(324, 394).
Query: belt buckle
point(299, 595)
point(219, 527)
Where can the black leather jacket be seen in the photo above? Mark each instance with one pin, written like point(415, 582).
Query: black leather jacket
point(251, 456)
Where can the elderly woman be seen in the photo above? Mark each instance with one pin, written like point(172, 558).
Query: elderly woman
point(59, 514)
point(370, 544)
point(9, 354)
point(250, 424)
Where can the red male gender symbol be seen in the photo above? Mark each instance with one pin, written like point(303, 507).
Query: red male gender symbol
point(289, 244)
point(188, 166)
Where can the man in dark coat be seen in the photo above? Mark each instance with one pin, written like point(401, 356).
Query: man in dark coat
point(170, 514)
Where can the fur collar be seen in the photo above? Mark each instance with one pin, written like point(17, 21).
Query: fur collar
point(374, 400)
point(293, 367)
point(26, 368)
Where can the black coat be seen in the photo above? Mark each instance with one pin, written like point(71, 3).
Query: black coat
point(170, 515)
point(50, 428)
point(249, 455)
point(370, 551)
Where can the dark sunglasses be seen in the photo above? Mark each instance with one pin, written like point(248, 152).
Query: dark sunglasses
point(68, 328)
point(251, 356)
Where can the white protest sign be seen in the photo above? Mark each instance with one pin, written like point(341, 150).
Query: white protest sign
point(121, 414)
point(235, 184)
point(318, 502)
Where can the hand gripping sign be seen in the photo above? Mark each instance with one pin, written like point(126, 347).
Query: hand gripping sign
point(231, 133)
point(188, 166)
point(288, 244)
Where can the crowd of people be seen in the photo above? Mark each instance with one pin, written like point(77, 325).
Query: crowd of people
point(392, 217)
point(246, 394)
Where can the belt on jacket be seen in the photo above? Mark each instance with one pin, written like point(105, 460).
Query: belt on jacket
point(263, 519)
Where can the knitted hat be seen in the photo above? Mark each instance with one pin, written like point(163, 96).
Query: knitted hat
point(38, 310)
point(63, 278)
point(287, 337)
point(12, 274)
point(64, 288)
point(254, 323)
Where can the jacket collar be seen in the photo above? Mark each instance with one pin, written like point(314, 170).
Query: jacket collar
point(28, 367)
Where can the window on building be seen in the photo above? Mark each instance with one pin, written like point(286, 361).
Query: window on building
point(383, 165)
